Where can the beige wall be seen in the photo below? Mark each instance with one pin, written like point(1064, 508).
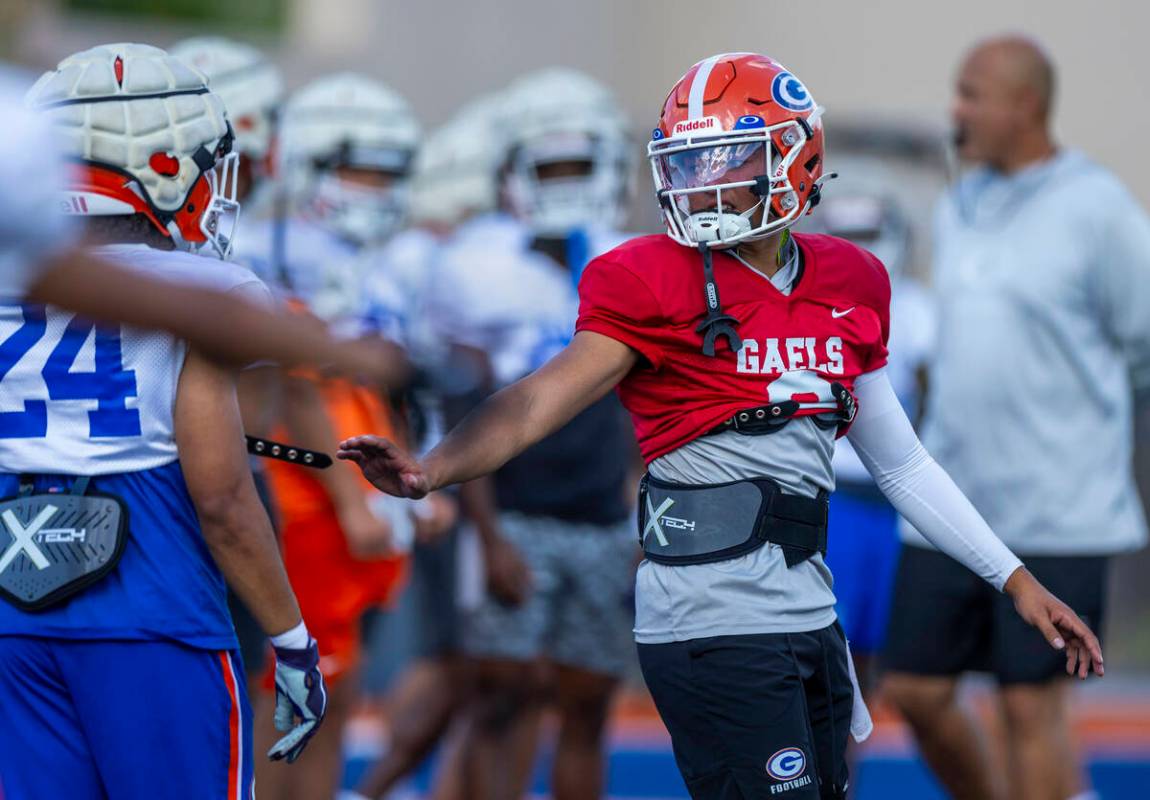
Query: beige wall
point(881, 58)
point(876, 58)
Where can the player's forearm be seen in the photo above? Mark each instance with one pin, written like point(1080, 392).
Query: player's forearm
point(500, 428)
point(234, 523)
point(225, 327)
point(240, 537)
point(938, 509)
point(513, 419)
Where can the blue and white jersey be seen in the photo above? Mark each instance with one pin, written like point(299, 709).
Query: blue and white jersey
point(86, 399)
point(398, 279)
point(80, 399)
point(494, 293)
point(306, 262)
point(31, 174)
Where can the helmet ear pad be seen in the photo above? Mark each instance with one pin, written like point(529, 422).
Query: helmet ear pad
point(100, 190)
point(803, 172)
point(187, 218)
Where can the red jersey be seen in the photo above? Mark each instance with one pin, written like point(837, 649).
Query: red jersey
point(648, 294)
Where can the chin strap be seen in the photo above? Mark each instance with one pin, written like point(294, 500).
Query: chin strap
point(716, 323)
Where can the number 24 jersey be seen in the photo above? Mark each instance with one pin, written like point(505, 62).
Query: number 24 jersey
point(86, 399)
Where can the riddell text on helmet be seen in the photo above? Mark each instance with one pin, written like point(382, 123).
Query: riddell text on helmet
point(692, 125)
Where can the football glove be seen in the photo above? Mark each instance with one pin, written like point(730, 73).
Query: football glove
point(300, 693)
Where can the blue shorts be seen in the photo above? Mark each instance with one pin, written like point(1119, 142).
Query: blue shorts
point(99, 720)
point(862, 553)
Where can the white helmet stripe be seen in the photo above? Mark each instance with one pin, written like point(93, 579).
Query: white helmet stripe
point(699, 84)
point(699, 87)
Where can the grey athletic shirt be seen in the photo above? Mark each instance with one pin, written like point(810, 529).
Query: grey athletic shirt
point(757, 592)
point(754, 593)
point(1043, 283)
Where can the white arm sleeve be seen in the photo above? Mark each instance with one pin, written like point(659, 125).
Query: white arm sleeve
point(918, 487)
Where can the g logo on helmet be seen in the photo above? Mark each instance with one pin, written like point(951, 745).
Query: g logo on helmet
point(789, 92)
point(787, 764)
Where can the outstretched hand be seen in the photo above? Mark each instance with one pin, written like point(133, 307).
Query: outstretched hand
point(387, 466)
point(1057, 622)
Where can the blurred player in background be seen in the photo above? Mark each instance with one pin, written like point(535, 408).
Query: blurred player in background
point(554, 523)
point(347, 147)
point(862, 208)
point(41, 256)
point(129, 496)
point(861, 521)
point(737, 417)
point(252, 91)
point(1042, 265)
point(454, 179)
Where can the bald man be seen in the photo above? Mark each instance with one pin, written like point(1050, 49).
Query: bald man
point(1042, 269)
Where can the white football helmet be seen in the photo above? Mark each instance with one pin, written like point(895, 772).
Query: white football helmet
point(456, 171)
point(349, 121)
point(560, 116)
point(249, 84)
point(871, 220)
point(864, 206)
point(150, 138)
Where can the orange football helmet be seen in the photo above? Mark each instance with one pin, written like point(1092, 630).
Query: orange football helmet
point(736, 120)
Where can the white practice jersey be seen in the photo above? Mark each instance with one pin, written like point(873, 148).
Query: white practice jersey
point(31, 174)
point(85, 399)
point(493, 293)
point(399, 279)
point(306, 262)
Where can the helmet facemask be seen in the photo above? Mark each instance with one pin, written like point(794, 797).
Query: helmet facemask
point(211, 212)
point(359, 210)
point(555, 205)
point(222, 217)
point(760, 159)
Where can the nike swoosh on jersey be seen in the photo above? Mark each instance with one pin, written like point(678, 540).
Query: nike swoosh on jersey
point(836, 313)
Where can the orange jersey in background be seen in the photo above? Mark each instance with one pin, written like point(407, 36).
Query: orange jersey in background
point(333, 586)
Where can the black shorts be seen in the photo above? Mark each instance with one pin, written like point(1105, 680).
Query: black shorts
point(433, 589)
point(756, 716)
point(945, 620)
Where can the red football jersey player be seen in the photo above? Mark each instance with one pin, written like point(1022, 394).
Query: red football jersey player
point(830, 329)
point(742, 352)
